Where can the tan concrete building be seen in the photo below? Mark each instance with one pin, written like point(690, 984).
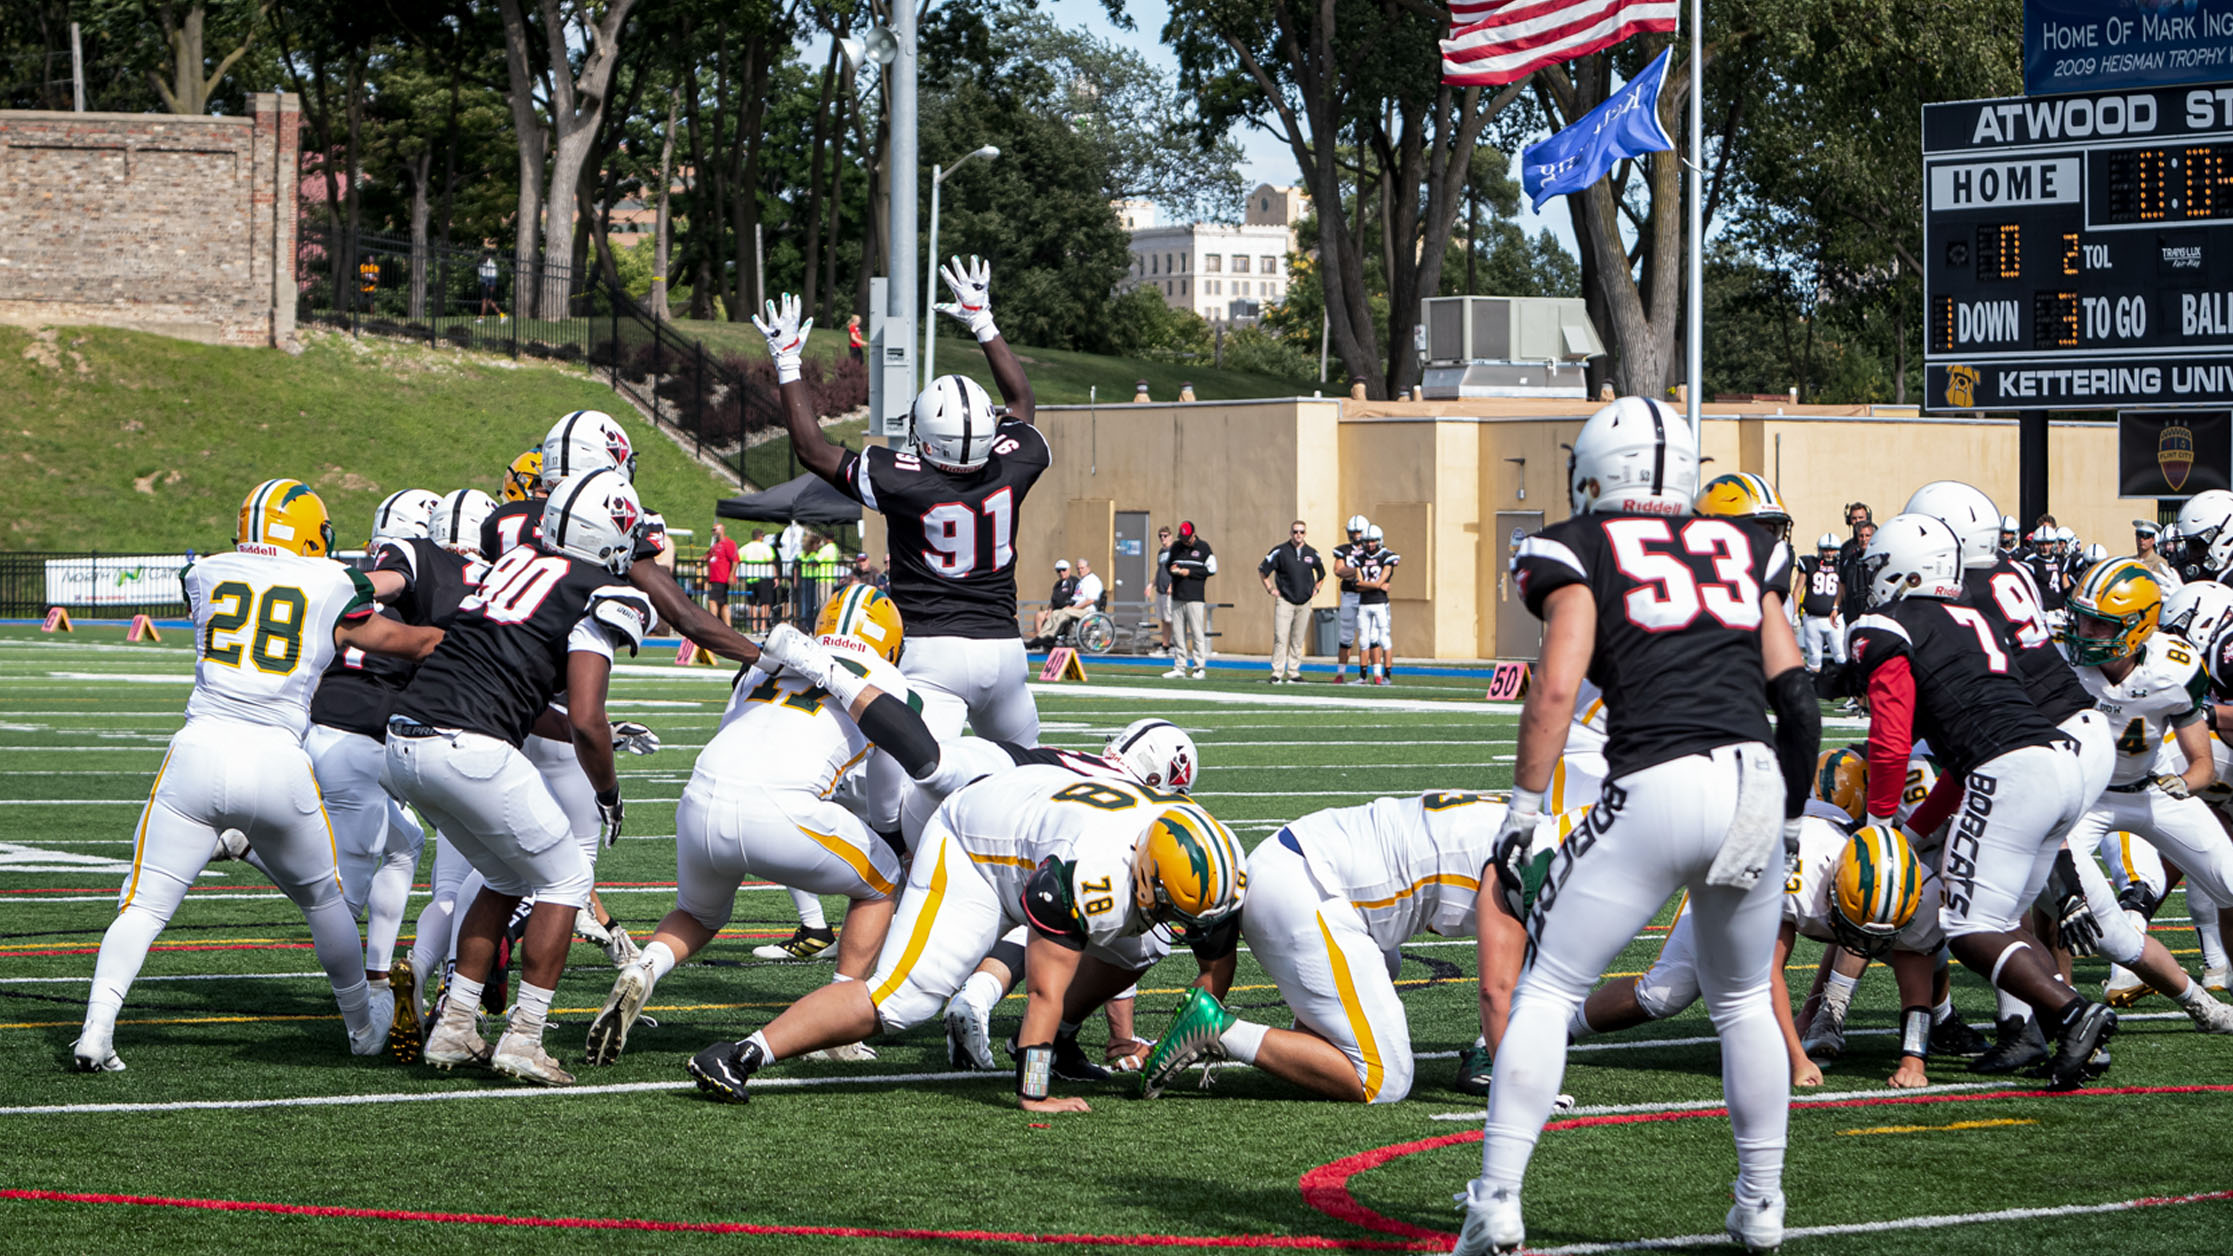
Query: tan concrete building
point(1454, 483)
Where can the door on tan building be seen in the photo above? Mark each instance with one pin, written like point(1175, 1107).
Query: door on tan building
point(1519, 635)
point(1132, 569)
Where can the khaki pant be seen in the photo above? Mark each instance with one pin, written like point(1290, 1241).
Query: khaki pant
point(1290, 629)
point(1194, 634)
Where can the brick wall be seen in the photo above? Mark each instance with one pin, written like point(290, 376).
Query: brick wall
point(163, 223)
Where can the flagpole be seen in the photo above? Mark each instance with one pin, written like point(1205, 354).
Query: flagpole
point(1696, 319)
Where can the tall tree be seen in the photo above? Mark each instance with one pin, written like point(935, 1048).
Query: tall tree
point(575, 97)
point(190, 79)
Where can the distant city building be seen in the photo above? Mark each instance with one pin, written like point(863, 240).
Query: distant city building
point(1223, 272)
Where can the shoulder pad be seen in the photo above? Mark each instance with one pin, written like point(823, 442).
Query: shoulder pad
point(906, 462)
point(1048, 905)
point(361, 599)
point(623, 611)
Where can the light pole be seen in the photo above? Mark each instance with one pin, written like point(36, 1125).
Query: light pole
point(930, 284)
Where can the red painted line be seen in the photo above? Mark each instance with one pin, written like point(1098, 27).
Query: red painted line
point(1326, 1188)
point(183, 946)
point(1296, 1242)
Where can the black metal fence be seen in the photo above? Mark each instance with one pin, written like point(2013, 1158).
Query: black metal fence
point(489, 302)
point(90, 585)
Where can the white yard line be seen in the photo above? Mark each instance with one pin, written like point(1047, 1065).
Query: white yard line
point(1939, 1221)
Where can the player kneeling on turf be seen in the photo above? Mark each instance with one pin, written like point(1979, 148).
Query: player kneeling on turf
point(1101, 871)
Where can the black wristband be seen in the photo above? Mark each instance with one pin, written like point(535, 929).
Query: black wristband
point(608, 797)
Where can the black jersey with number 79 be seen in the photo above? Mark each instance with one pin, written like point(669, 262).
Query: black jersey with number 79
point(952, 536)
point(1678, 625)
point(2007, 595)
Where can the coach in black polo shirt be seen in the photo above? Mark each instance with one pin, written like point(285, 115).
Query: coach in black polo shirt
point(1292, 573)
point(1192, 564)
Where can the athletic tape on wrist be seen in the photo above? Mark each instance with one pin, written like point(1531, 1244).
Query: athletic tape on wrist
point(1526, 802)
point(1915, 1032)
point(985, 331)
point(1034, 1071)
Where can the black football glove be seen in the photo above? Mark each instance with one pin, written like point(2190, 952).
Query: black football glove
point(610, 812)
point(2081, 933)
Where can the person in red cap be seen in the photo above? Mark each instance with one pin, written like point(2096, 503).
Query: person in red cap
point(1191, 565)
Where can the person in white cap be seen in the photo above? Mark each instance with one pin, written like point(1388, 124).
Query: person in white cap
point(2144, 538)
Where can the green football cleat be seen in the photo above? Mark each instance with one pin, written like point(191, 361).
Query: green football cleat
point(1193, 1034)
point(1473, 1069)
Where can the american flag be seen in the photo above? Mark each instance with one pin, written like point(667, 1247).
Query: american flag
point(1499, 41)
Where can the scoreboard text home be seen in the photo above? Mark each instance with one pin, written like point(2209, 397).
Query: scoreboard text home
point(2078, 250)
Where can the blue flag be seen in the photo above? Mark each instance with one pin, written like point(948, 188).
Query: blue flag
point(1626, 125)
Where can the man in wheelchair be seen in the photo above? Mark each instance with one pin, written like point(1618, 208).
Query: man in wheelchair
point(1088, 598)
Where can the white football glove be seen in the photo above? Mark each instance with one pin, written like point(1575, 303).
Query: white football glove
point(611, 814)
point(1510, 860)
point(634, 738)
point(786, 333)
point(971, 284)
point(795, 652)
point(2173, 784)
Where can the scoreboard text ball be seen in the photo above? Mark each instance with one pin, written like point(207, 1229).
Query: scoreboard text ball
point(2078, 250)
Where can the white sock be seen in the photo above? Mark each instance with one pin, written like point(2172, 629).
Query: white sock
point(384, 905)
point(464, 1000)
point(1837, 990)
point(529, 1013)
point(2193, 994)
point(355, 1002)
point(2006, 1005)
point(810, 909)
point(659, 958)
point(760, 1040)
point(983, 990)
point(1577, 1025)
point(1244, 1040)
point(1945, 1010)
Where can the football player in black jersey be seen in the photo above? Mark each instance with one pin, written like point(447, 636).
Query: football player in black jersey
point(1345, 555)
point(953, 504)
point(1676, 618)
point(549, 614)
point(2204, 548)
point(1934, 664)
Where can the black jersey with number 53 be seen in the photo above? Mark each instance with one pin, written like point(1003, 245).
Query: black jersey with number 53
point(505, 652)
point(2007, 595)
point(952, 537)
point(1678, 625)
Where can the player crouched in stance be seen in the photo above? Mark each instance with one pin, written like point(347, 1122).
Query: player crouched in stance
point(758, 803)
point(1330, 899)
point(1099, 870)
point(548, 616)
point(268, 618)
point(1677, 618)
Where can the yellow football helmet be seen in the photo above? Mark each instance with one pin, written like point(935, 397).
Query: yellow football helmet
point(1876, 887)
point(862, 612)
point(1188, 873)
point(2112, 610)
point(1743, 495)
point(285, 514)
point(520, 478)
point(1841, 779)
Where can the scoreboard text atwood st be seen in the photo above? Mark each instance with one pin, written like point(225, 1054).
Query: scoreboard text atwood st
point(2078, 250)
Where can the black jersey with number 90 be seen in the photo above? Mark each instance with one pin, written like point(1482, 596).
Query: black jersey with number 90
point(1678, 625)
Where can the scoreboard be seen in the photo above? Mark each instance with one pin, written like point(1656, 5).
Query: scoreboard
point(2078, 250)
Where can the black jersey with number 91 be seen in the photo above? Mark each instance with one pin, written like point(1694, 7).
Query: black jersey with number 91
point(1678, 625)
point(952, 536)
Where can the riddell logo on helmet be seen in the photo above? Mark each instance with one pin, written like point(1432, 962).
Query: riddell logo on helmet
point(1657, 506)
point(625, 515)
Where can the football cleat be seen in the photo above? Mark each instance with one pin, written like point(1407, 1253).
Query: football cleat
point(1200, 1022)
point(1756, 1225)
point(1473, 1069)
point(2216, 980)
point(804, 943)
point(2124, 987)
point(455, 1041)
point(1492, 1220)
point(850, 1053)
point(1954, 1036)
point(723, 1069)
point(522, 1057)
point(403, 1027)
point(373, 1038)
point(95, 1051)
point(1071, 1063)
point(2211, 1016)
point(2076, 1044)
point(1825, 1038)
point(969, 1036)
point(2018, 1044)
point(608, 1034)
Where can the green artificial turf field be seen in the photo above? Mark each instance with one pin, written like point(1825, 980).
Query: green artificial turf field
point(243, 1126)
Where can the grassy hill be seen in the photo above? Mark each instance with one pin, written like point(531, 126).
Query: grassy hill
point(117, 440)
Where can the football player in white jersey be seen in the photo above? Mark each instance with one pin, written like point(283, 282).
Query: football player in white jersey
point(1330, 899)
point(1102, 872)
point(268, 618)
point(758, 805)
point(1580, 771)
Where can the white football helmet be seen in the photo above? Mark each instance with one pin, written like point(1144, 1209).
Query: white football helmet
point(1966, 510)
point(1372, 533)
point(1358, 523)
point(2066, 536)
point(2197, 610)
point(953, 424)
point(2206, 530)
point(458, 519)
point(585, 441)
point(1912, 556)
point(595, 517)
point(1157, 752)
point(1827, 541)
point(1635, 455)
point(2097, 552)
point(403, 516)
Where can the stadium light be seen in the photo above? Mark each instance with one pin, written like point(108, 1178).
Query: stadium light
point(930, 286)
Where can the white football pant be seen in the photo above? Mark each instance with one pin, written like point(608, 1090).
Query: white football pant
point(2002, 842)
point(490, 802)
point(569, 787)
point(1820, 635)
point(1654, 832)
point(1338, 981)
point(1372, 626)
point(1348, 619)
point(218, 775)
point(982, 682)
point(731, 833)
point(376, 842)
point(1576, 780)
point(2183, 830)
point(455, 885)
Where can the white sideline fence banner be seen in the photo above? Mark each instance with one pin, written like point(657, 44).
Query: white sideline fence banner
point(116, 580)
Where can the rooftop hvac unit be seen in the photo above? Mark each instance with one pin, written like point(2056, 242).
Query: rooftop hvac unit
point(1506, 347)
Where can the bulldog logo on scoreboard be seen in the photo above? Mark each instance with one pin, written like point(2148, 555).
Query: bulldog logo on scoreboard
point(1961, 387)
point(2174, 454)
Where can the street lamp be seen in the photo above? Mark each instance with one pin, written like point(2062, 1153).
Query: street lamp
point(894, 49)
point(930, 287)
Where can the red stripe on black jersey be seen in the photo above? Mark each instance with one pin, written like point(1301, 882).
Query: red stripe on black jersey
point(1969, 703)
point(952, 537)
point(1678, 626)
